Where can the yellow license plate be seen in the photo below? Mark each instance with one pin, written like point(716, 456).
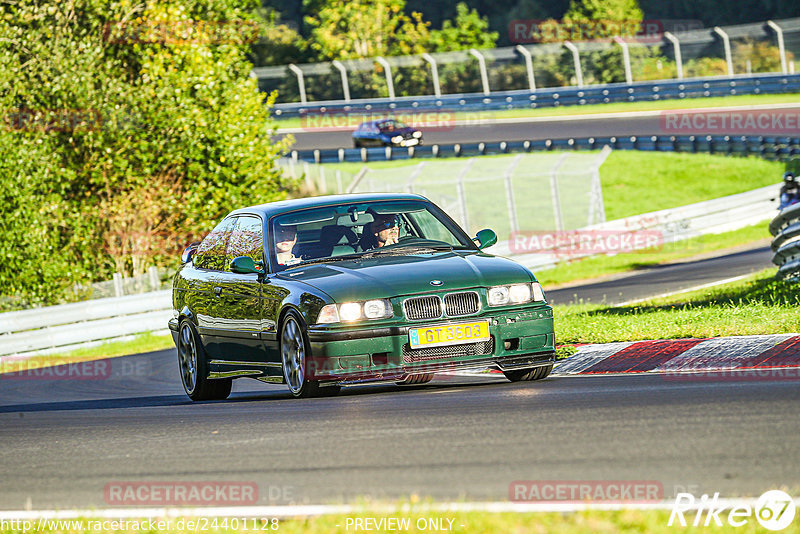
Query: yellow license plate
point(448, 334)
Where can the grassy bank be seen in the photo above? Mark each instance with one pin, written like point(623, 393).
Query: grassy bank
point(756, 305)
point(617, 107)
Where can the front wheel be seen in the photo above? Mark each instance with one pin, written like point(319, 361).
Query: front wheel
point(523, 375)
point(193, 366)
point(295, 360)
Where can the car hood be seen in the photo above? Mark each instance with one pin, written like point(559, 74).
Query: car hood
point(390, 276)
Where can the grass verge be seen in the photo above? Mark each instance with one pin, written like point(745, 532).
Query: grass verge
point(758, 304)
point(617, 107)
point(584, 269)
point(591, 521)
point(142, 343)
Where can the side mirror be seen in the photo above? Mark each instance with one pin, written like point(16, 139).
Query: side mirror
point(485, 238)
point(188, 252)
point(246, 265)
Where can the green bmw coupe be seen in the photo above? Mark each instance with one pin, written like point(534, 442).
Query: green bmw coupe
point(323, 292)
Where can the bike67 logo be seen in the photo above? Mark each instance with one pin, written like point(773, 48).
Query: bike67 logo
point(774, 510)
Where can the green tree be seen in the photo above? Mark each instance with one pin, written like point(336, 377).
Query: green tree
point(366, 28)
point(604, 10)
point(130, 126)
point(469, 30)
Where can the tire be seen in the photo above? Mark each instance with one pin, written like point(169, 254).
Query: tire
point(193, 368)
point(524, 375)
point(295, 355)
point(413, 380)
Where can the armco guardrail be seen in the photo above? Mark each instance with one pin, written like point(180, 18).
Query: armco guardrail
point(554, 96)
point(69, 325)
point(776, 147)
point(786, 229)
point(671, 225)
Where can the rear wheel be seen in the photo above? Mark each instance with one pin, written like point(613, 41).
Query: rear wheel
point(411, 380)
point(193, 366)
point(295, 360)
point(523, 375)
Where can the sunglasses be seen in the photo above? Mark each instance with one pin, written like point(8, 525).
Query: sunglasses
point(379, 226)
point(284, 235)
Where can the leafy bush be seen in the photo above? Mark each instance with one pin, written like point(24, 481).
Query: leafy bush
point(123, 137)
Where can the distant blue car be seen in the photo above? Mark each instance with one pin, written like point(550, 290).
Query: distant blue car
point(386, 132)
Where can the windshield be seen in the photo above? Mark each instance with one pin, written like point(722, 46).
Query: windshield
point(391, 125)
point(348, 231)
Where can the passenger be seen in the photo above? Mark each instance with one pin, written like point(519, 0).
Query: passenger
point(382, 231)
point(285, 240)
point(790, 190)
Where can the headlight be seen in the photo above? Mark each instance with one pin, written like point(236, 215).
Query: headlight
point(515, 294)
point(397, 138)
point(353, 311)
point(417, 134)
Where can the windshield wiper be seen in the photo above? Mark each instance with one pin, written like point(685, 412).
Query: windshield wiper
point(329, 259)
point(409, 248)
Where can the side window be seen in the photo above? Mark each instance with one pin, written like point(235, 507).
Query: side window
point(246, 240)
point(211, 252)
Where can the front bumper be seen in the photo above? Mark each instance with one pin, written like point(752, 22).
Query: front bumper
point(520, 339)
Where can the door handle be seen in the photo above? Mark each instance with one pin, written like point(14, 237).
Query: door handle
point(218, 291)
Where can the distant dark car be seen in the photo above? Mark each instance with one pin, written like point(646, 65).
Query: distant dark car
point(322, 292)
point(386, 132)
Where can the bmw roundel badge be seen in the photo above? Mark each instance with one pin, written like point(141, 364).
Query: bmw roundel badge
point(436, 282)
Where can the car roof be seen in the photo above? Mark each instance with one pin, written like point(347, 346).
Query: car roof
point(377, 122)
point(283, 206)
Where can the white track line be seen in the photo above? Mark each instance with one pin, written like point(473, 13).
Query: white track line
point(283, 512)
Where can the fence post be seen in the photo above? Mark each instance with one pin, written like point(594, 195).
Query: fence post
point(726, 43)
point(414, 176)
point(676, 46)
point(626, 58)
point(388, 72)
point(781, 48)
point(357, 178)
point(528, 65)
point(301, 84)
point(462, 194)
point(118, 289)
point(554, 193)
point(345, 84)
point(155, 281)
point(339, 181)
point(437, 90)
point(513, 222)
point(576, 58)
point(484, 74)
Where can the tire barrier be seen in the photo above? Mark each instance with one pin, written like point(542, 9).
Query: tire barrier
point(786, 245)
point(778, 147)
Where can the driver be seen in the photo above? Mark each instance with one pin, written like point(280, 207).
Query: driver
point(790, 190)
point(285, 240)
point(382, 231)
